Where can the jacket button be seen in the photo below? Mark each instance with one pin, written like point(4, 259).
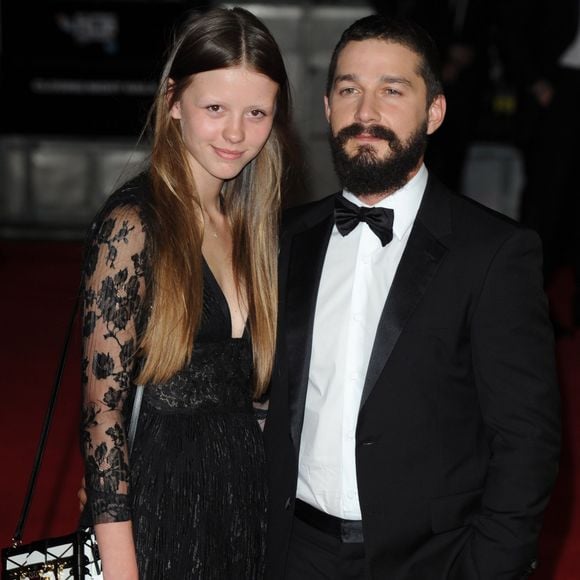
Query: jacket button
point(368, 443)
point(288, 503)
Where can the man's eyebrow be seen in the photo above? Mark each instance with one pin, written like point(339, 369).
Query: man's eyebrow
point(346, 77)
point(395, 80)
point(351, 77)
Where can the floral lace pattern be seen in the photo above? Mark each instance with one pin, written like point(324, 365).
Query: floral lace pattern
point(114, 281)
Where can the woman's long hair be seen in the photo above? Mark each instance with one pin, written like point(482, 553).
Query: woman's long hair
point(216, 39)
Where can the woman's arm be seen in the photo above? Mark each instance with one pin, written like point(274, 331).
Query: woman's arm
point(117, 550)
point(114, 287)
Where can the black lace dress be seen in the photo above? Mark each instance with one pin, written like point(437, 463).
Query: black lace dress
point(194, 486)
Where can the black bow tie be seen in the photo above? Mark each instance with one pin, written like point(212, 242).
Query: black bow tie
point(347, 216)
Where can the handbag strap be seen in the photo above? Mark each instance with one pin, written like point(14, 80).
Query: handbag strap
point(17, 537)
point(134, 417)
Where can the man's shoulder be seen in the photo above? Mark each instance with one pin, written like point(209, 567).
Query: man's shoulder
point(306, 215)
point(469, 215)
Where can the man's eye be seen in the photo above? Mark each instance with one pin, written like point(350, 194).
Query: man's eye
point(347, 91)
point(214, 108)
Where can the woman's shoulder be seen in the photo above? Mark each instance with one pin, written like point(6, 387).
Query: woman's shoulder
point(120, 229)
point(133, 196)
point(129, 203)
point(123, 219)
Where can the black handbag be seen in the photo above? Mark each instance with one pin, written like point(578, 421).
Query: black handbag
point(72, 556)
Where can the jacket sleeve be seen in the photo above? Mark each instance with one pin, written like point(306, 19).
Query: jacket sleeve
point(514, 366)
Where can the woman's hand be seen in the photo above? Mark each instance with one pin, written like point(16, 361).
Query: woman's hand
point(82, 494)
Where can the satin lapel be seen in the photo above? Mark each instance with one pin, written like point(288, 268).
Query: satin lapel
point(305, 267)
point(418, 265)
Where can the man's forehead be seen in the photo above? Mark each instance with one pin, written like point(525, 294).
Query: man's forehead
point(377, 48)
point(383, 56)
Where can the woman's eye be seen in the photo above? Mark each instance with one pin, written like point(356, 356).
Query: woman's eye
point(257, 113)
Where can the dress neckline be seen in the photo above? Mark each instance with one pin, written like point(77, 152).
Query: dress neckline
point(223, 301)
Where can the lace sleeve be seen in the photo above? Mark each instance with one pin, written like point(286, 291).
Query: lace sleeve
point(113, 293)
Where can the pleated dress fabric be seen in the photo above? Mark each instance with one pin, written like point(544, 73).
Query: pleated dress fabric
point(197, 467)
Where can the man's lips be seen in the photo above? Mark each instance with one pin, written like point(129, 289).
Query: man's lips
point(364, 140)
point(367, 137)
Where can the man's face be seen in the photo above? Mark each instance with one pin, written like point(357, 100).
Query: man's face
point(378, 116)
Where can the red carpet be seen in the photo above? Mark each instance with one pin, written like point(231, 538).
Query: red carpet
point(38, 284)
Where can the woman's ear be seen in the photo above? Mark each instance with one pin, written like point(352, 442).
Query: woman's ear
point(175, 110)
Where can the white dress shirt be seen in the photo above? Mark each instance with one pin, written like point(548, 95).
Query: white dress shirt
point(355, 282)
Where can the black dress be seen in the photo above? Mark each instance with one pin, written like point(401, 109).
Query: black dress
point(194, 486)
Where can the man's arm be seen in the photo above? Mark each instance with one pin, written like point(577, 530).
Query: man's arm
point(514, 366)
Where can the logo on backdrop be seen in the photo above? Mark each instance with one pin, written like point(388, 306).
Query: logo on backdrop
point(91, 28)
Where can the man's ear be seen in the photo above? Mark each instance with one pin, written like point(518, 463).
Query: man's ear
point(327, 108)
point(436, 114)
point(175, 110)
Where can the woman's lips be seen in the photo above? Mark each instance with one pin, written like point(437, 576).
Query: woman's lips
point(228, 153)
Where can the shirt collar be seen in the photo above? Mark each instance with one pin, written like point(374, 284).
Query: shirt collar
point(404, 202)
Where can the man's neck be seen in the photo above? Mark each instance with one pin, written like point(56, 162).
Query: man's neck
point(374, 198)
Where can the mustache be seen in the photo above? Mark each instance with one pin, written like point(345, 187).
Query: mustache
point(377, 131)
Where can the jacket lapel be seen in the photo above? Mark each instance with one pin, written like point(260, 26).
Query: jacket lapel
point(306, 259)
point(419, 263)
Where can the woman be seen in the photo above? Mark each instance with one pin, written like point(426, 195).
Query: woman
point(180, 295)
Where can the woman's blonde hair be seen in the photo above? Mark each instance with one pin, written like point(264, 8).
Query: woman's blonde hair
point(216, 39)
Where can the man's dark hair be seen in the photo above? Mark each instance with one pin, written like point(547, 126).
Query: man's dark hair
point(399, 31)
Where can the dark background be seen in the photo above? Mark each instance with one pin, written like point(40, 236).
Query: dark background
point(82, 68)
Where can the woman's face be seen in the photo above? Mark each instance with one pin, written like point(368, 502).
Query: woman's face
point(226, 116)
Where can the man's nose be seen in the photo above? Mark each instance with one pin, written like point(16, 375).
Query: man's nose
point(367, 111)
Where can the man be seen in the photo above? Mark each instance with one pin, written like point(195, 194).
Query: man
point(413, 430)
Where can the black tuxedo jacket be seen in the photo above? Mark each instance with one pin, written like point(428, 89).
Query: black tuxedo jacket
point(457, 440)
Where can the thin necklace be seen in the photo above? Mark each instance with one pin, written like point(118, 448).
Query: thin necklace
point(211, 227)
point(214, 231)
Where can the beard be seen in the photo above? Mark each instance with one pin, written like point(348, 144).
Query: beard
point(364, 172)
